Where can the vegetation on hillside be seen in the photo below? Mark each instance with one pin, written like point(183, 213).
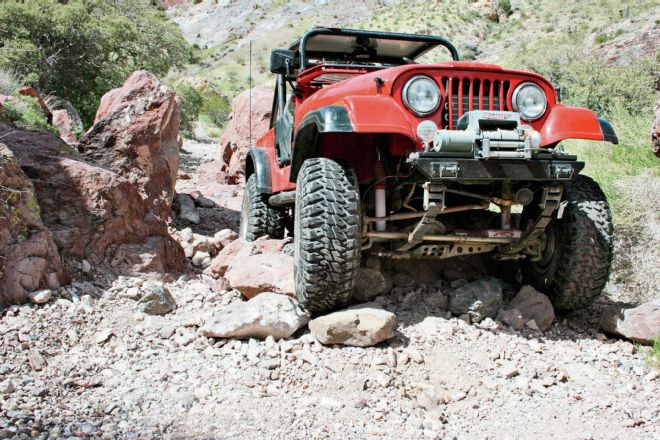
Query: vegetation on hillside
point(22, 111)
point(202, 103)
point(80, 49)
point(625, 95)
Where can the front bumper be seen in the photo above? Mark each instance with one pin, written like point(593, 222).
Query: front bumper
point(437, 166)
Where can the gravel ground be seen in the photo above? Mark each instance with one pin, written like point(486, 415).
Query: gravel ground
point(97, 367)
point(90, 364)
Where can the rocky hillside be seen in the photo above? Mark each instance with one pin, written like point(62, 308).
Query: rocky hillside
point(489, 30)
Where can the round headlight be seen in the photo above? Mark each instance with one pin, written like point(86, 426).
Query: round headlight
point(421, 95)
point(529, 100)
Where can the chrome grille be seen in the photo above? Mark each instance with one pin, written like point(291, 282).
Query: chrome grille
point(463, 95)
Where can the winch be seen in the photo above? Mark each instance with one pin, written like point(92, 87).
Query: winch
point(489, 134)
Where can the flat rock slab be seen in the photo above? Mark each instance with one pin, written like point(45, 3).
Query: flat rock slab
point(360, 327)
point(268, 314)
point(640, 324)
point(260, 273)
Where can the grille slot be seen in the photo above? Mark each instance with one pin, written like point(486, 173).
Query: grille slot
point(463, 95)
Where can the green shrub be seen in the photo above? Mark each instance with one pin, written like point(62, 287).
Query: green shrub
point(203, 103)
point(607, 164)
point(653, 354)
point(8, 83)
point(25, 112)
point(216, 107)
point(602, 38)
point(506, 6)
point(589, 82)
point(192, 104)
point(80, 49)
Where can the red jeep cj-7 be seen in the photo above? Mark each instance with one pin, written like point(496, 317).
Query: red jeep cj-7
point(370, 151)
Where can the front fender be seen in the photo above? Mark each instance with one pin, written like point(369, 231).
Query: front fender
point(352, 114)
point(378, 114)
point(565, 122)
point(257, 162)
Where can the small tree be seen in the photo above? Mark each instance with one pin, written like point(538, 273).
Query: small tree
point(80, 49)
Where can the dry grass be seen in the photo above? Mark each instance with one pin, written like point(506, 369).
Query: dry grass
point(635, 275)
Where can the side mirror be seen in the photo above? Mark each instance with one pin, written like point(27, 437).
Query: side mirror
point(282, 61)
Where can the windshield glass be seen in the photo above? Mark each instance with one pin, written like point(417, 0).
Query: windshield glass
point(335, 46)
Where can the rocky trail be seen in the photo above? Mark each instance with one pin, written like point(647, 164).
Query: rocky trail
point(147, 316)
point(110, 357)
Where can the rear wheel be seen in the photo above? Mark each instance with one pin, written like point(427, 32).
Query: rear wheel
point(257, 217)
point(576, 252)
point(326, 237)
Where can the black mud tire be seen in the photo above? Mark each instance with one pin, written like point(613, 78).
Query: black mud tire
point(326, 235)
point(257, 217)
point(577, 256)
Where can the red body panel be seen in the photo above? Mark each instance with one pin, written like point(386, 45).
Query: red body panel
point(279, 175)
point(374, 104)
point(564, 122)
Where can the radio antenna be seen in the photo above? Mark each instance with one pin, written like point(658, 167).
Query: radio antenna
point(250, 91)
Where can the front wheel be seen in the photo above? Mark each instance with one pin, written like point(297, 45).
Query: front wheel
point(576, 252)
point(258, 218)
point(326, 236)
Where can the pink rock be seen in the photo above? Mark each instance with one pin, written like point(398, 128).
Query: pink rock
point(260, 273)
point(89, 209)
point(136, 134)
point(267, 245)
point(62, 121)
point(640, 324)
point(224, 237)
point(235, 141)
point(234, 250)
point(29, 258)
point(158, 258)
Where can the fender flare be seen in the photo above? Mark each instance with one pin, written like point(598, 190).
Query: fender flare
point(565, 122)
point(608, 131)
point(327, 119)
point(257, 162)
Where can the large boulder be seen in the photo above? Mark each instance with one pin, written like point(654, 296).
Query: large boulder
point(255, 274)
point(90, 210)
point(136, 134)
point(640, 324)
point(87, 207)
point(268, 314)
point(479, 299)
point(361, 326)
point(240, 133)
point(29, 258)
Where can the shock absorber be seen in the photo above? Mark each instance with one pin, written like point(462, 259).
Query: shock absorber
point(506, 217)
point(379, 190)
